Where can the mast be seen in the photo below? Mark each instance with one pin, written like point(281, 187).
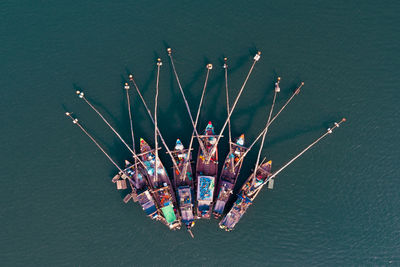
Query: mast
point(277, 90)
point(131, 124)
point(296, 92)
point(214, 147)
point(187, 162)
point(169, 50)
point(152, 119)
point(159, 64)
point(76, 122)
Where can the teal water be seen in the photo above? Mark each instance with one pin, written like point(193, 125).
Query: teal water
point(338, 205)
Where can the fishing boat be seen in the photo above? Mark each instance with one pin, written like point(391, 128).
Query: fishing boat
point(246, 196)
point(184, 184)
point(206, 173)
point(229, 174)
point(162, 189)
point(138, 182)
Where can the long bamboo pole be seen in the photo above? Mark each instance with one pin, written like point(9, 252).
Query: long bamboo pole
point(296, 92)
point(159, 64)
point(127, 87)
point(187, 160)
point(132, 80)
point(328, 131)
point(202, 147)
point(76, 122)
point(214, 147)
point(82, 96)
point(277, 90)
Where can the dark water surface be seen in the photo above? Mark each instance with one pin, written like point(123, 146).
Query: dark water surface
point(337, 205)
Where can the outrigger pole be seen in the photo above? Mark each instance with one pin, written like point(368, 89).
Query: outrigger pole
point(225, 66)
point(131, 124)
point(227, 100)
point(255, 59)
point(277, 90)
point(76, 122)
point(296, 92)
point(152, 119)
point(190, 232)
point(187, 162)
point(169, 50)
point(159, 64)
point(328, 131)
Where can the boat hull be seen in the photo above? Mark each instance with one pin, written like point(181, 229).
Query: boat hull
point(229, 174)
point(161, 186)
point(184, 185)
point(209, 170)
point(246, 196)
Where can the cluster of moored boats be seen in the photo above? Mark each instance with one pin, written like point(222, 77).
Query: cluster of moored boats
point(199, 192)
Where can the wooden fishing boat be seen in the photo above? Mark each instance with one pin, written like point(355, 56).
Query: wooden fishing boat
point(206, 173)
point(229, 174)
point(184, 184)
point(246, 196)
point(138, 182)
point(161, 186)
